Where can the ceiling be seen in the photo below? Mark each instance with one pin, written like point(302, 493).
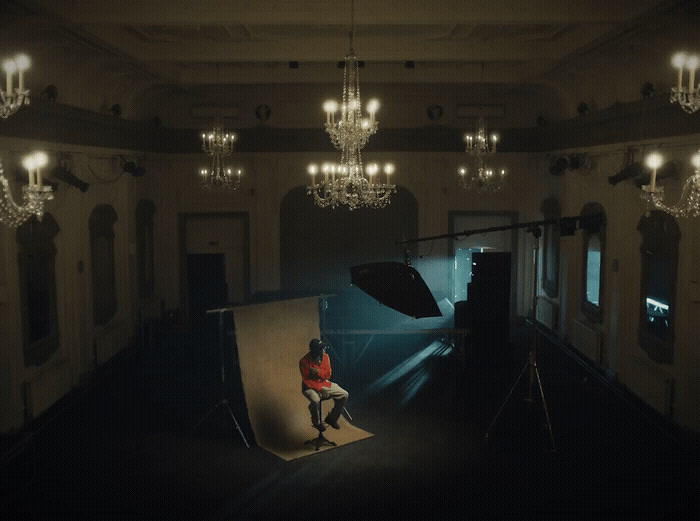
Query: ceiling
point(181, 40)
point(180, 44)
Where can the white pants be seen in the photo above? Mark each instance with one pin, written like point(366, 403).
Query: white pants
point(336, 392)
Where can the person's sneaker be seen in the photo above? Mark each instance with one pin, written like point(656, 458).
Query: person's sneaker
point(333, 424)
point(321, 427)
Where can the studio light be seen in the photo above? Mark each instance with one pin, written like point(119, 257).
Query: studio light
point(63, 173)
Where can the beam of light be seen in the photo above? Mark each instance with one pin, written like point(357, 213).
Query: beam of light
point(420, 377)
point(414, 384)
point(436, 348)
point(657, 305)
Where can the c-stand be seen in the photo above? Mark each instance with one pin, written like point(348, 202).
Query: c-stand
point(532, 355)
point(567, 226)
point(223, 402)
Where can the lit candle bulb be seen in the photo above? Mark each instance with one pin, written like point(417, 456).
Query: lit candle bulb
point(330, 106)
point(678, 61)
point(40, 160)
point(468, 140)
point(372, 169)
point(654, 161)
point(695, 160)
point(10, 66)
point(372, 107)
point(313, 170)
point(388, 170)
point(29, 163)
point(22, 61)
point(692, 64)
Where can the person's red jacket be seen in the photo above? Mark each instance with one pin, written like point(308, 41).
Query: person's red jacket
point(324, 372)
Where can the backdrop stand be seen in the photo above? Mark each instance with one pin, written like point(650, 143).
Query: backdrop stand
point(223, 401)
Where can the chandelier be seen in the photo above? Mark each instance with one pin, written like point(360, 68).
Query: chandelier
point(349, 182)
point(34, 194)
point(219, 145)
point(688, 98)
point(689, 203)
point(14, 98)
point(481, 177)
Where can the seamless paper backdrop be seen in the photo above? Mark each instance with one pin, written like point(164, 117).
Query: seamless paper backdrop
point(272, 337)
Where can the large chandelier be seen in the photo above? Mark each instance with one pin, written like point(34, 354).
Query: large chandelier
point(480, 176)
point(13, 98)
point(688, 98)
point(219, 145)
point(349, 182)
point(689, 203)
point(34, 194)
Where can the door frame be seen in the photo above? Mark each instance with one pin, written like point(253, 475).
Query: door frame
point(514, 256)
point(183, 219)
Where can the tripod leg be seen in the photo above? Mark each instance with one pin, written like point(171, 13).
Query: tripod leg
point(202, 420)
point(546, 411)
point(506, 400)
point(228, 407)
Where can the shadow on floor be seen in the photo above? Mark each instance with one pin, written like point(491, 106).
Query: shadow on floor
point(123, 448)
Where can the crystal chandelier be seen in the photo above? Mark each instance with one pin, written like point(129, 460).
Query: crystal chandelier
point(689, 203)
point(481, 177)
point(34, 194)
point(13, 98)
point(688, 98)
point(349, 182)
point(219, 145)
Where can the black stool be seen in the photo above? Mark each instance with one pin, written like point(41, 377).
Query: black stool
point(320, 440)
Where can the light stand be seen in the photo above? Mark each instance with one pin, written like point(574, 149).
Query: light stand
point(565, 223)
point(532, 356)
point(223, 402)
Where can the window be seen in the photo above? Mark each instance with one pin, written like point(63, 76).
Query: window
point(593, 271)
point(104, 299)
point(550, 255)
point(37, 273)
point(659, 257)
point(593, 224)
point(144, 247)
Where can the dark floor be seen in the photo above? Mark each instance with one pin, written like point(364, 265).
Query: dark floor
point(122, 447)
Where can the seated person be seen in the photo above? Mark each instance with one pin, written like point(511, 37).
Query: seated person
point(315, 370)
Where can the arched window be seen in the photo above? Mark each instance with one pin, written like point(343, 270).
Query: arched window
point(659, 256)
point(144, 247)
point(104, 298)
point(550, 254)
point(593, 224)
point(37, 282)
